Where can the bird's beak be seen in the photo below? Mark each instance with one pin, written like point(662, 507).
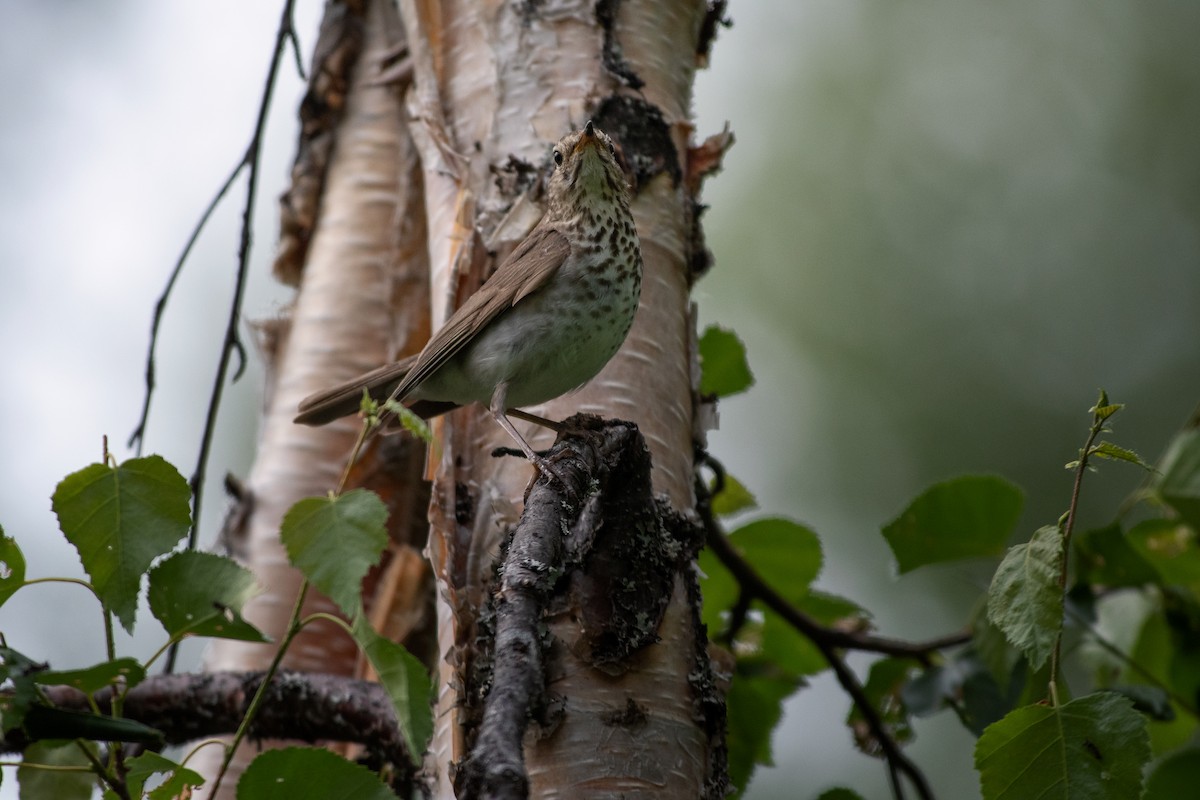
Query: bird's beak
point(587, 137)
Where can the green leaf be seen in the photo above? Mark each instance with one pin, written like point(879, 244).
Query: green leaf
point(718, 588)
point(409, 420)
point(334, 541)
point(794, 653)
point(1113, 452)
point(44, 722)
point(883, 688)
point(1024, 600)
point(993, 649)
point(1172, 549)
point(786, 554)
point(1092, 748)
point(754, 707)
point(967, 517)
point(1179, 486)
point(732, 498)
point(1175, 776)
point(121, 519)
point(1105, 556)
point(965, 682)
point(308, 773)
point(406, 681)
point(724, 370)
point(202, 594)
point(40, 784)
point(12, 567)
point(1103, 408)
point(1149, 700)
point(93, 679)
point(1161, 656)
point(175, 781)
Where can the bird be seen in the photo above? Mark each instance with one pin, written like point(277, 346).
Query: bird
point(543, 324)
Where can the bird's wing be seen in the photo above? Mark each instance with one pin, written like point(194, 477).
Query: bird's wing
point(527, 269)
point(345, 398)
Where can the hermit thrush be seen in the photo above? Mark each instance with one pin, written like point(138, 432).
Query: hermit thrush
point(544, 323)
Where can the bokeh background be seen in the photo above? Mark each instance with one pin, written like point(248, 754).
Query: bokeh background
point(944, 225)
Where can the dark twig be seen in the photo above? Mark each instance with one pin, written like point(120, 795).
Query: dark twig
point(827, 640)
point(137, 438)
point(232, 343)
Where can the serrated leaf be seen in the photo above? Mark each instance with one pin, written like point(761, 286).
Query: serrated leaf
point(883, 690)
point(93, 679)
point(1116, 453)
point(409, 420)
point(967, 517)
point(732, 498)
point(40, 784)
point(12, 567)
point(308, 773)
point(1024, 600)
point(1093, 748)
point(786, 554)
point(724, 370)
point(334, 541)
point(406, 681)
point(1179, 486)
point(121, 519)
point(1175, 776)
point(202, 594)
point(177, 778)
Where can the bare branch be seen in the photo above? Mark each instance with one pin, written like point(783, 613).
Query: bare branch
point(297, 705)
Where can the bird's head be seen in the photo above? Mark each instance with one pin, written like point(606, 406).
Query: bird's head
point(586, 171)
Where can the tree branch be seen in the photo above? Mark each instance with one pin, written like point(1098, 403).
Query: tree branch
point(302, 706)
point(827, 640)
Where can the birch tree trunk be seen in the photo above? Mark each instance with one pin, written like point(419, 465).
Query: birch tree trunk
point(421, 172)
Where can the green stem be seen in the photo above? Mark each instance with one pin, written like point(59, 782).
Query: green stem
point(1068, 527)
point(341, 623)
point(1128, 661)
point(105, 776)
point(46, 767)
point(116, 751)
point(294, 626)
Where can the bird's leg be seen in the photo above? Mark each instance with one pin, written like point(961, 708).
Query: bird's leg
point(557, 427)
point(499, 396)
point(497, 408)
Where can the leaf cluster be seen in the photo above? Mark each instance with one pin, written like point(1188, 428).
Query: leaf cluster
point(126, 521)
point(1124, 726)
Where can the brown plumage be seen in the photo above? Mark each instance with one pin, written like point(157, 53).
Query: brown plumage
point(549, 318)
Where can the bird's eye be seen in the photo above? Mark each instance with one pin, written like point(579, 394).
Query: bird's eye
point(612, 149)
point(558, 157)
